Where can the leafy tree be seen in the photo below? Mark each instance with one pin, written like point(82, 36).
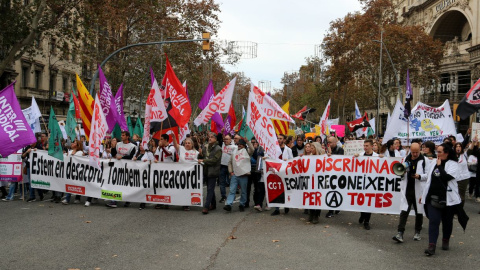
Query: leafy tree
point(350, 49)
point(22, 26)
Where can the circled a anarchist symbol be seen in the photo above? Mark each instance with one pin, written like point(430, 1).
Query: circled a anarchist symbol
point(334, 199)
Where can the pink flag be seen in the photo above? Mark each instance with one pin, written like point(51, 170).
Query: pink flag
point(98, 130)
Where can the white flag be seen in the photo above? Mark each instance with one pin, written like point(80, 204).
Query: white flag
point(98, 131)
point(324, 120)
point(220, 103)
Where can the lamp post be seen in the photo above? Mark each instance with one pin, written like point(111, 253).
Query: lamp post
point(92, 85)
point(380, 74)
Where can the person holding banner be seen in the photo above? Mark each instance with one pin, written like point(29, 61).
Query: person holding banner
point(187, 153)
point(368, 151)
point(76, 150)
point(143, 156)
point(285, 154)
point(239, 168)
point(313, 148)
point(123, 150)
point(440, 196)
point(210, 157)
point(412, 189)
point(165, 151)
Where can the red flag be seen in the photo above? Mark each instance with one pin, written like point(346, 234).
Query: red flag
point(358, 123)
point(77, 107)
point(299, 115)
point(169, 131)
point(177, 97)
point(231, 113)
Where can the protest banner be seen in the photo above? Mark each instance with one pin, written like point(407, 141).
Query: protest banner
point(353, 147)
point(426, 123)
point(339, 130)
point(364, 184)
point(119, 180)
point(11, 167)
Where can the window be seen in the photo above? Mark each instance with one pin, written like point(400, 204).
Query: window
point(52, 82)
point(74, 56)
point(38, 79)
point(52, 46)
point(26, 2)
point(64, 84)
point(25, 74)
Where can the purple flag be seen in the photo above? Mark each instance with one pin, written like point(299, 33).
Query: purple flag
point(408, 97)
point(217, 118)
point(119, 106)
point(229, 126)
point(107, 101)
point(15, 132)
point(207, 96)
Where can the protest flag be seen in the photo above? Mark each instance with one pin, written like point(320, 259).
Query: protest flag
point(298, 115)
point(176, 96)
point(117, 132)
point(358, 123)
point(130, 125)
point(281, 127)
point(86, 106)
point(230, 121)
point(208, 95)
point(119, 105)
point(107, 101)
point(245, 131)
point(17, 134)
point(408, 97)
point(71, 121)
point(32, 115)
point(358, 114)
point(220, 103)
point(155, 111)
point(138, 128)
point(324, 120)
point(97, 133)
point(470, 102)
point(55, 140)
point(78, 111)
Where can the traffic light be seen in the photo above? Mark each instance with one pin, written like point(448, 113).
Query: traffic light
point(206, 43)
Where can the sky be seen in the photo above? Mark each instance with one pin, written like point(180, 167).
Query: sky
point(286, 32)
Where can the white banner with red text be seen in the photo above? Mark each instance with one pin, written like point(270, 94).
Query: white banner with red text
point(119, 180)
point(346, 183)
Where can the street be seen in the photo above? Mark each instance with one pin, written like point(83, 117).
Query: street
point(46, 235)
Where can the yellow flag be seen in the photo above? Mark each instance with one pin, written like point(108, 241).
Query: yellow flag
point(281, 127)
point(86, 105)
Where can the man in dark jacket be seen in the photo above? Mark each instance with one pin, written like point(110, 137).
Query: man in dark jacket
point(210, 157)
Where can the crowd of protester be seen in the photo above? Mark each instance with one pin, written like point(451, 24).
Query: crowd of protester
point(438, 181)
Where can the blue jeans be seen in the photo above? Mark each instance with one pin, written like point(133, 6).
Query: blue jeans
point(224, 180)
point(11, 190)
point(234, 182)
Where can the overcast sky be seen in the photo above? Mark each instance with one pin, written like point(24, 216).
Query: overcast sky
point(286, 32)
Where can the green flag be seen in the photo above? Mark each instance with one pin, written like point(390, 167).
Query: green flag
point(130, 126)
point(138, 128)
point(71, 121)
point(370, 132)
point(117, 132)
point(55, 140)
point(245, 131)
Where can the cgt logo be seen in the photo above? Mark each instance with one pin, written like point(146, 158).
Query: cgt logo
point(111, 195)
point(196, 199)
point(75, 189)
point(159, 199)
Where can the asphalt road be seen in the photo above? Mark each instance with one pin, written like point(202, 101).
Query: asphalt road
point(45, 235)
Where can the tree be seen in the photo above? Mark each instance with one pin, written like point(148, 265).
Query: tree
point(23, 25)
point(353, 54)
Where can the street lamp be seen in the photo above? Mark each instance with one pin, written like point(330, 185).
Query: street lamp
point(382, 44)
